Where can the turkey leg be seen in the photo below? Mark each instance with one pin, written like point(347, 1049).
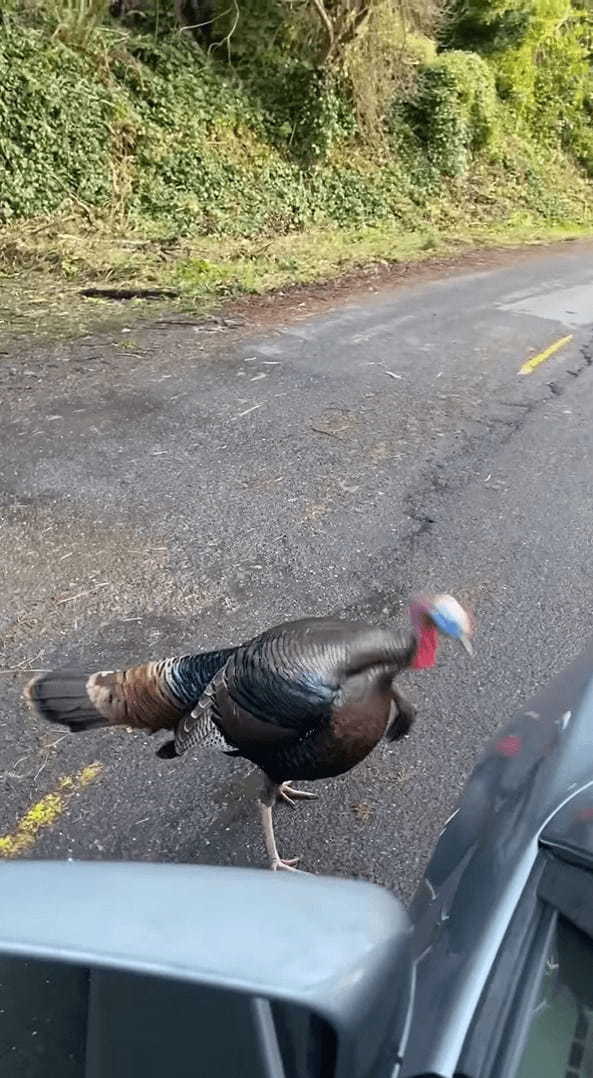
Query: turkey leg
point(267, 799)
point(403, 719)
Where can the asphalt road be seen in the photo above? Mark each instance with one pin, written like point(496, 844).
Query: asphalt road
point(174, 488)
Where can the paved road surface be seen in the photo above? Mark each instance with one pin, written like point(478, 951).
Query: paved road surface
point(174, 488)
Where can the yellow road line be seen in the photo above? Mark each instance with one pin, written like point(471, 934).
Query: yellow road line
point(541, 357)
point(45, 812)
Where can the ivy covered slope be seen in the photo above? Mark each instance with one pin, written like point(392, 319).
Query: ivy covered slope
point(223, 147)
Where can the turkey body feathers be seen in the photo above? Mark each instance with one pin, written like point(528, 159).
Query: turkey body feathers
point(151, 697)
point(307, 699)
point(189, 675)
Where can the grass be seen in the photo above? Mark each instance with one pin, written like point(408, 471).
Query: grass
point(47, 263)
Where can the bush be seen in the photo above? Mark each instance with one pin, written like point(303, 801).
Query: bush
point(561, 86)
point(157, 134)
point(55, 137)
point(305, 111)
point(455, 110)
point(163, 134)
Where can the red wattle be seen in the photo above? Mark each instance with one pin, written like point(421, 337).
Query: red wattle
point(426, 652)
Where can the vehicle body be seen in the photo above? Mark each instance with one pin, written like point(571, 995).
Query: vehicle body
point(513, 867)
point(130, 971)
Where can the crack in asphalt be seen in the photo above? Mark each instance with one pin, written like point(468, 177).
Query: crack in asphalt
point(445, 479)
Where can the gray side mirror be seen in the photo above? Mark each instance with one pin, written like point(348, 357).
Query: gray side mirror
point(138, 970)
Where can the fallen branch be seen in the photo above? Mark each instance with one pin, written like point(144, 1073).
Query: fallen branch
point(81, 594)
point(129, 293)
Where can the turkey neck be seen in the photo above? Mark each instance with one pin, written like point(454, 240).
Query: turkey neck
point(380, 648)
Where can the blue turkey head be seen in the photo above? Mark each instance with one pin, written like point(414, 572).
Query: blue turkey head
point(452, 620)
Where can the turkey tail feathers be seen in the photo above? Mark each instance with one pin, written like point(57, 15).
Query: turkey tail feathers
point(139, 697)
point(62, 696)
point(152, 696)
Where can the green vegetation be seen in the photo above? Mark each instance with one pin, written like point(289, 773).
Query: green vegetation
point(218, 149)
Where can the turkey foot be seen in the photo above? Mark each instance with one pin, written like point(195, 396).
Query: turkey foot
point(287, 793)
point(286, 865)
point(268, 796)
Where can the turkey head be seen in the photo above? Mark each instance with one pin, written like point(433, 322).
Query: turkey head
point(431, 615)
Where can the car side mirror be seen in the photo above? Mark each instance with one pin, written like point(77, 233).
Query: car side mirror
point(148, 970)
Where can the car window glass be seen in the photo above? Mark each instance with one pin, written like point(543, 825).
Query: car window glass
point(560, 1038)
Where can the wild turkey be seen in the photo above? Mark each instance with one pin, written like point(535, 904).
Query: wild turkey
point(306, 699)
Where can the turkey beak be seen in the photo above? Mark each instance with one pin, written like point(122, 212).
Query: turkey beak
point(467, 644)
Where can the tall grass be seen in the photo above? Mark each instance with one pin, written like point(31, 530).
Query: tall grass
point(75, 22)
